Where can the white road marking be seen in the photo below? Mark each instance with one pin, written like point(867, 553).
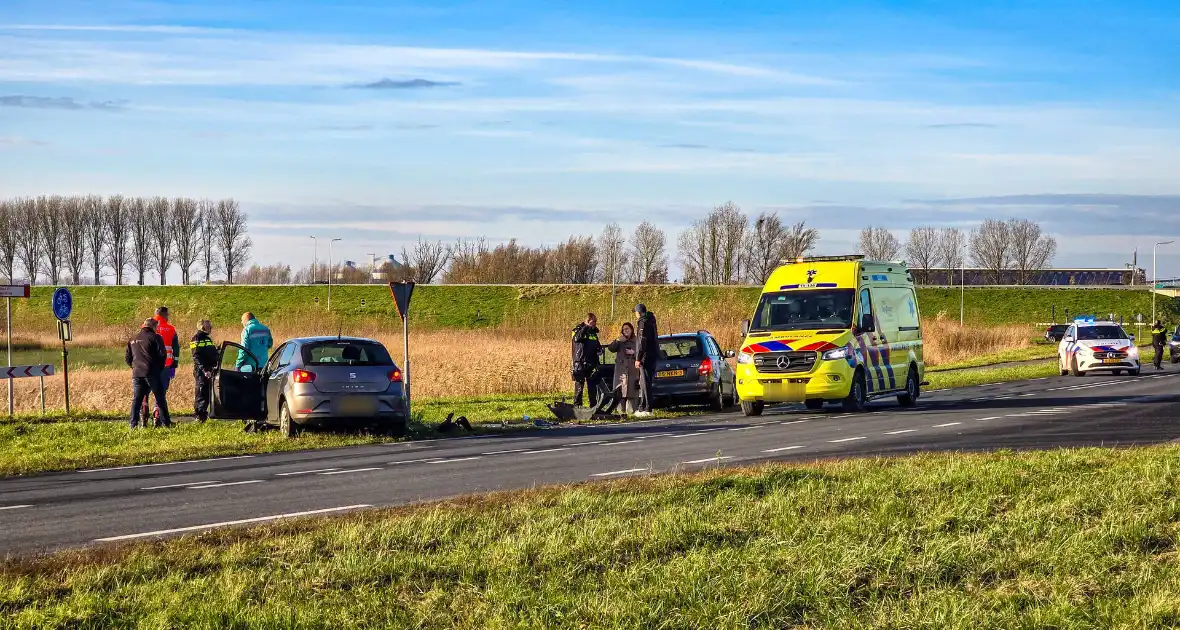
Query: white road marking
point(948, 424)
point(426, 460)
point(988, 418)
point(743, 428)
point(305, 472)
point(686, 435)
point(626, 442)
point(846, 440)
point(224, 485)
point(619, 472)
point(644, 437)
point(14, 507)
point(548, 450)
point(900, 432)
point(588, 443)
point(457, 459)
point(188, 461)
point(181, 485)
point(511, 450)
point(794, 422)
point(349, 471)
point(779, 450)
point(260, 519)
point(707, 460)
point(1027, 395)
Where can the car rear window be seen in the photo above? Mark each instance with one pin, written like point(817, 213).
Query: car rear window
point(346, 353)
point(680, 348)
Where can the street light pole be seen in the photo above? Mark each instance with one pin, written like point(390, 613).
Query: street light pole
point(1154, 275)
point(962, 289)
point(331, 270)
point(315, 252)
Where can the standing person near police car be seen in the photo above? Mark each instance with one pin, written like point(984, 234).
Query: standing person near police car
point(145, 356)
point(1158, 343)
point(204, 364)
point(647, 353)
point(585, 347)
point(171, 346)
point(257, 340)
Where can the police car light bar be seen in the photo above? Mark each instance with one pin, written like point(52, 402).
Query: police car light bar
point(812, 259)
point(1084, 319)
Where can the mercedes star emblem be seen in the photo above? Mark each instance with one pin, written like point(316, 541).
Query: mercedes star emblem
point(783, 362)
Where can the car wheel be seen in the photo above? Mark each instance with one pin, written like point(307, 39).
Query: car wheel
point(855, 402)
point(1061, 367)
point(752, 408)
point(732, 401)
point(1175, 360)
point(814, 404)
point(396, 428)
point(287, 426)
point(1134, 372)
point(717, 399)
point(912, 390)
point(1073, 368)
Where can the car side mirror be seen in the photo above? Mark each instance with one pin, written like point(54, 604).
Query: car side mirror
point(745, 327)
point(1067, 339)
point(866, 323)
point(1131, 337)
point(729, 354)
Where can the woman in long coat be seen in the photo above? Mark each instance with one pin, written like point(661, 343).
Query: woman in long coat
point(626, 383)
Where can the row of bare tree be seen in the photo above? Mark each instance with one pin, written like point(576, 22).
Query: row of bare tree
point(727, 247)
point(82, 238)
point(994, 246)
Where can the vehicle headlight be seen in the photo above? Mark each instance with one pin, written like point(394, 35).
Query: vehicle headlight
point(1085, 350)
point(1133, 353)
point(838, 354)
point(1174, 343)
point(745, 358)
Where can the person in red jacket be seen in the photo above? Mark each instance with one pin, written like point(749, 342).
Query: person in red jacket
point(171, 352)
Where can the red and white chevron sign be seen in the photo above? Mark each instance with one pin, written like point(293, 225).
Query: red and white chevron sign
point(25, 371)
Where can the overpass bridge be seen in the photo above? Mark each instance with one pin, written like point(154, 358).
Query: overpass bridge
point(1169, 288)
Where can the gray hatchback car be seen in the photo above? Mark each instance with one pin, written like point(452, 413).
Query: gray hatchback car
point(330, 382)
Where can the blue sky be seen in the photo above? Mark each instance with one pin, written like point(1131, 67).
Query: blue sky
point(381, 121)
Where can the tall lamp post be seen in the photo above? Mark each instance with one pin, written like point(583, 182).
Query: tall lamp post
point(962, 287)
point(331, 270)
point(315, 253)
point(1154, 276)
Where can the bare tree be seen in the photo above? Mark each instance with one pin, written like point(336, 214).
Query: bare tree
point(95, 233)
point(8, 239)
point(612, 253)
point(117, 226)
point(878, 243)
point(425, 261)
point(74, 223)
point(649, 262)
point(233, 242)
point(163, 245)
point(271, 274)
point(51, 224)
point(921, 250)
point(711, 250)
point(573, 262)
point(29, 238)
point(1031, 250)
point(186, 231)
point(764, 246)
point(991, 247)
point(800, 241)
point(207, 239)
point(950, 250)
point(141, 237)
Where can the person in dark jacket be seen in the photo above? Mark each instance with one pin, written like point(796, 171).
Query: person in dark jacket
point(204, 364)
point(585, 348)
point(647, 353)
point(1158, 343)
point(146, 356)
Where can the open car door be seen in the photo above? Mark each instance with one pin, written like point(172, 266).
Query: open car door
point(237, 390)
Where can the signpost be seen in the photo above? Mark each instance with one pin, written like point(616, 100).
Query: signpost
point(9, 291)
point(401, 299)
point(63, 305)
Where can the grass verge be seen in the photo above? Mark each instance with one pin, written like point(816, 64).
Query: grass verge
point(1062, 539)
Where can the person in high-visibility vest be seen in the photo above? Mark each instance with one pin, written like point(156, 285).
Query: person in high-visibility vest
point(204, 364)
point(171, 355)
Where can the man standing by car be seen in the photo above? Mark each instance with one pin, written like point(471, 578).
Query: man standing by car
point(204, 363)
point(257, 340)
point(585, 347)
point(171, 346)
point(647, 353)
point(1158, 342)
point(145, 356)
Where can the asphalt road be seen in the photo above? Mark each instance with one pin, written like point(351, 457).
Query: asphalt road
point(58, 510)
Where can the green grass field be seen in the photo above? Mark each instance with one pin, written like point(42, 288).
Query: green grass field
point(1061, 539)
point(480, 307)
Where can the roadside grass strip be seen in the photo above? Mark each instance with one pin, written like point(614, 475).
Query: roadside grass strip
point(1061, 539)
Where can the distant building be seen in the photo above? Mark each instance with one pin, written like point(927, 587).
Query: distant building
point(1080, 277)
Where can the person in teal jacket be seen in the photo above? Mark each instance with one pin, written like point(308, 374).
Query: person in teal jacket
point(255, 338)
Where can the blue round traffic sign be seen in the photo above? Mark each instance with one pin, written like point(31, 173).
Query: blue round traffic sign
point(63, 303)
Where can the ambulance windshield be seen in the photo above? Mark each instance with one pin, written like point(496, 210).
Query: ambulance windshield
point(804, 310)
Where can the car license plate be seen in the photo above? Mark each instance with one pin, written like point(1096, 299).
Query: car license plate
point(1112, 360)
point(669, 373)
point(357, 406)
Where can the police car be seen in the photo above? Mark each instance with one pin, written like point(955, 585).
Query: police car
point(1097, 346)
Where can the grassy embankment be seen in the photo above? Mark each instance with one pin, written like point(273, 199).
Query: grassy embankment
point(1064, 539)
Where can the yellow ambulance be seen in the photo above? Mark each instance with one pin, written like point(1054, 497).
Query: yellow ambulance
point(834, 329)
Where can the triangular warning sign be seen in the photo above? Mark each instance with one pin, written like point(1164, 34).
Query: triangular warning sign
point(401, 296)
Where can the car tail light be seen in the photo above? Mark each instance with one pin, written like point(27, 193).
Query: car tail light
point(303, 376)
point(706, 367)
point(395, 376)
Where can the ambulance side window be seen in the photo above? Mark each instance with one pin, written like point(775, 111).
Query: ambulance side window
point(865, 319)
